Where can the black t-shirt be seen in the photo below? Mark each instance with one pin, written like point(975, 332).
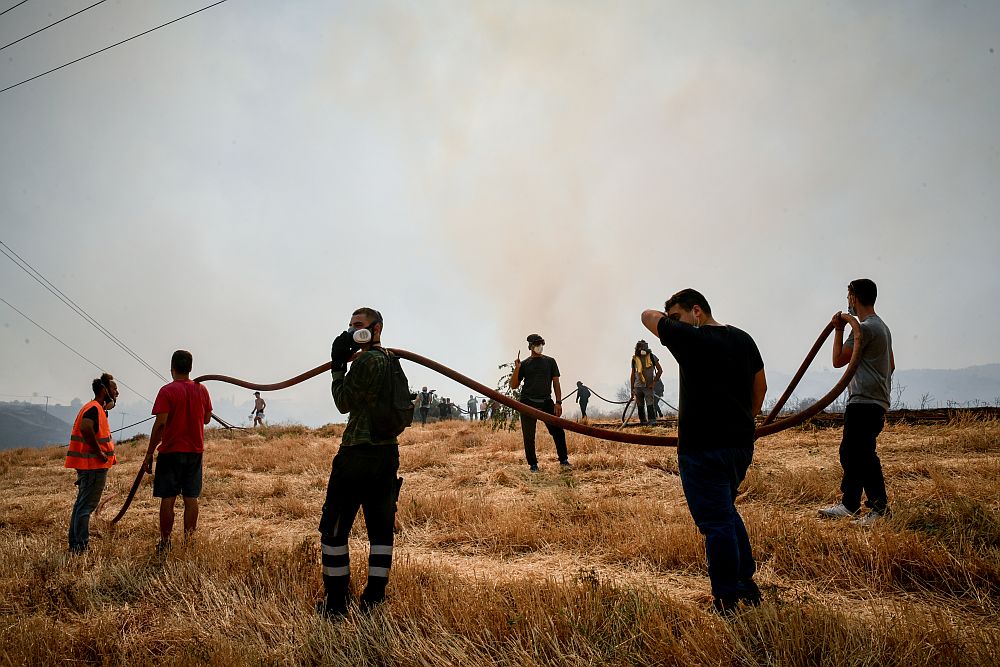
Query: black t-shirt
point(717, 367)
point(91, 414)
point(583, 394)
point(536, 373)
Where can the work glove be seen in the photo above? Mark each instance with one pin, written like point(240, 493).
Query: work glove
point(341, 351)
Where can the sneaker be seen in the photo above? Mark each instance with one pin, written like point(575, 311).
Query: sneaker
point(162, 547)
point(565, 465)
point(838, 511)
point(533, 469)
point(868, 519)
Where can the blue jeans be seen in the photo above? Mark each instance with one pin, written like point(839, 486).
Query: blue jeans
point(711, 479)
point(91, 486)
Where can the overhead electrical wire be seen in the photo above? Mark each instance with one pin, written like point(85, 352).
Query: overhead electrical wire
point(146, 32)
point(67, 346)
point(51, 24)
point(44, 282)
point(14, 7)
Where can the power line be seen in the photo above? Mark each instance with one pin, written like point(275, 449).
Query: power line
point(44, 282)
point(72, 62)
point(50, 25)
point(14, 7)
point(61, 342)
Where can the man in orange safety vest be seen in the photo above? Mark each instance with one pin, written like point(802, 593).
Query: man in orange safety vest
point(91, 453)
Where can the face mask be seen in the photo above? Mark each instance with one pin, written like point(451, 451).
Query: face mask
point(109, 400)
point(538, 349)
point(642, 352)
point(364, 335)
point(851, 310)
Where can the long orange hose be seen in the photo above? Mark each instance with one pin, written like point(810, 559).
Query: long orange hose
point(768, 427)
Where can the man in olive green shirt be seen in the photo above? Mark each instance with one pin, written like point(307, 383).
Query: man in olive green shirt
point(364, 470)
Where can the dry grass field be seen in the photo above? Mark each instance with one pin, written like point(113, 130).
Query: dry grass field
point(602, 566)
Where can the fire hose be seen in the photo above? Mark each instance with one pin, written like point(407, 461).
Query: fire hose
point(769, 426)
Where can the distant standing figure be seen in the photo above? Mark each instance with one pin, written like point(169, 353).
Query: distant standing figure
point(646, 371)
point(482, 410)
point(473, 406)
point(444, 409)
point(658, 390)
point(540, 375)
point(582, 397)
point(182, 410)
point(92, 453)
point(867, 402)
point(258, 409)
point(424, 404)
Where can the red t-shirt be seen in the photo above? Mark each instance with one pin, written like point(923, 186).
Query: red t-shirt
point(186, 403)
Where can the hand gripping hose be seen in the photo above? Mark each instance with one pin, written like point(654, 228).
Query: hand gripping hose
point(769, 427)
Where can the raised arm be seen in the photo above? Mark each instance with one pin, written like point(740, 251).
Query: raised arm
point(841, 353)
point(651, 320)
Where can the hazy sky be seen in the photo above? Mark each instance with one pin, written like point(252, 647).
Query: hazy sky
point(237, 183)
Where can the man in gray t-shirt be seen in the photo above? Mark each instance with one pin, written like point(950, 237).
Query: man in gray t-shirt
point(867, 403)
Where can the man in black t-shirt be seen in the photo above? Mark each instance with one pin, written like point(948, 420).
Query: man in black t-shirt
point(722, 388)
point(540, 375)
point(582, 397)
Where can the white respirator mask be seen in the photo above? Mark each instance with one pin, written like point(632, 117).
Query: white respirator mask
point(537, 349)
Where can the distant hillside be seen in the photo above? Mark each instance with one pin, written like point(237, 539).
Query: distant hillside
point(26, 425)
point(935, 388)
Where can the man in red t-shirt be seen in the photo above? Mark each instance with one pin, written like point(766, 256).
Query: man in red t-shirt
point(182, 410)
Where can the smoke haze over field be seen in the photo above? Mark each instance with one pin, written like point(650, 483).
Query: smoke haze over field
point(481, 171)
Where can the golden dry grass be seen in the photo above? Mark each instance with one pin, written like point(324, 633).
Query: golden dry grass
point(498, 566)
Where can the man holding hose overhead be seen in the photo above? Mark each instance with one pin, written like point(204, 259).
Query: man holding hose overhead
point(722, 388)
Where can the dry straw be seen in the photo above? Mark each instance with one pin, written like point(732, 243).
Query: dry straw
point(498, 566)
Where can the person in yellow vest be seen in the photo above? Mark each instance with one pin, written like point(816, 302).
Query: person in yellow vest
point(646, 370)
point(91, 453)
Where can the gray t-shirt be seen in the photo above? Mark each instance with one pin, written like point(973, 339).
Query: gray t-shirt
point(873, 381)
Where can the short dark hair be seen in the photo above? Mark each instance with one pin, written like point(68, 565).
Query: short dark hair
point(535, 339)
point(864, 290)
point(688, 299)
point(370, 313)
point(181, 361)
point(103, 382)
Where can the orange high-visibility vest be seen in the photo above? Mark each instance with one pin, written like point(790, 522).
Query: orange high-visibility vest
point(81, 455)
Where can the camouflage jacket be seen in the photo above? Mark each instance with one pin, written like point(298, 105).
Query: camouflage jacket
point(356, 391)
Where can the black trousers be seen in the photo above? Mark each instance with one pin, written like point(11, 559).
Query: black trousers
point(528, 432)
point(583, 407)
point(862, 467)
point(362, 477)
point(423, 414)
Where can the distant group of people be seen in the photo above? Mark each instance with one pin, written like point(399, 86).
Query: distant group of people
point(427, 404)
point(722, 386)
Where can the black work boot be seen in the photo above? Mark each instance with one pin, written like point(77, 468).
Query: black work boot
point(374, 594)
point(338, 595)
